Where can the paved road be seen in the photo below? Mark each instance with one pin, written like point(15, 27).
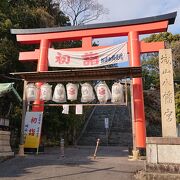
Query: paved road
point(78, 164)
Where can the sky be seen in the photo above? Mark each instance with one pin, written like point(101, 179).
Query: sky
point(120, 10)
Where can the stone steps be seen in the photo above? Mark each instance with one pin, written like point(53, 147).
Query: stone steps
point(121, 130)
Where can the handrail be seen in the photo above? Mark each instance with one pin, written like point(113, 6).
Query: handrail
point(111, 123)
point(85, 126)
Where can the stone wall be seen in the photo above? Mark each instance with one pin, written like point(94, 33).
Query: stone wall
point(163, 150)
point(163, 158)
point(5, 148)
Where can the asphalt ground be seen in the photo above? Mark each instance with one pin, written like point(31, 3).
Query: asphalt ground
point(78, 163)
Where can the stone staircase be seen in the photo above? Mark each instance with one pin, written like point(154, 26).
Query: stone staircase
point(120, 127)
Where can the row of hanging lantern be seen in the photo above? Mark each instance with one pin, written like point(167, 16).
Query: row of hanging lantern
point(87, 93)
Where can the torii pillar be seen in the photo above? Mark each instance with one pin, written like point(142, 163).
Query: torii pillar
point(42, 65)
point(138, 100)
point(131, 28)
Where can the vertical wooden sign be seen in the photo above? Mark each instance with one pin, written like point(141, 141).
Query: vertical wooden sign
point(167, 94)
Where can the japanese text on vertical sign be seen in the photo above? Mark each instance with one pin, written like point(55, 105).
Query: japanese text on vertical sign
point(32, 129)
point(167, 93)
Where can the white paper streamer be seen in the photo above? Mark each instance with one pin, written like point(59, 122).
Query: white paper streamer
point(65, 109)
point(79, 109)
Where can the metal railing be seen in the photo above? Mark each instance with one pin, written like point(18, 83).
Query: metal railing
point(85, 125)
point(109, 131)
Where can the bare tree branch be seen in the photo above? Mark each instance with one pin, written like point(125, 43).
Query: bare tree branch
point(82, 11)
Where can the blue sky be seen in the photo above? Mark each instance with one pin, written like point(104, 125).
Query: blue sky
point(131, 9)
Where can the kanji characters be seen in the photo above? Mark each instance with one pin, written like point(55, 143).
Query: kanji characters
point(90, 59)
point(62, 59)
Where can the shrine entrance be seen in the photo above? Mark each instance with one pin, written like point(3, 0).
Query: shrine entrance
point(131, 28)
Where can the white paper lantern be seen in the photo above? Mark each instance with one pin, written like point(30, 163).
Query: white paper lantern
point(103, 92)
point(46, 92)
point(72, 91)
point(59, 93)
point(117, 93)
point(87, 93)
point(31, 92)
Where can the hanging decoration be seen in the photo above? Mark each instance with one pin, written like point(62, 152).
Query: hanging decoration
point(117, 93)
point(65, 109)
point(103, 92)
point(87, 94)
point(72, 91)
point(46, 92)
point(32, 129)
point(31, 92)
point(59, 95)
point(91, 58)
point(79, 109)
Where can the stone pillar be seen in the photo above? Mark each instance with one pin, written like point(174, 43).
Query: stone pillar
point(5, 148)
point(168, 114)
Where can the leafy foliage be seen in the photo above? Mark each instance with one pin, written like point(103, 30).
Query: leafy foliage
point(177, 100)
point(171, 41)
point(32, 14)
point(150, 72)
point(165, 36)
point(25, 14)
point(150, 64)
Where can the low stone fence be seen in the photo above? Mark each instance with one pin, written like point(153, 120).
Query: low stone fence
point(163, 158)
point(5, 148)
point(163, 150)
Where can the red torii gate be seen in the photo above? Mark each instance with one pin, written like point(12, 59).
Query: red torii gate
point(131, 28)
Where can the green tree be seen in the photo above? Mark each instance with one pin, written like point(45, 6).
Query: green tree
point(171, 41)
point(150, 64)
point(22, 14)
point(177, 100)
point(150, 71)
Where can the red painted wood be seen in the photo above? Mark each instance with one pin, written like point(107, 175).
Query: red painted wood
point(144, 48)
point(42, 66)
point(94, 33)
point(150, 47)
point(139, 115)
point(29, 56)
point(86, 43)
point(134, 48)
